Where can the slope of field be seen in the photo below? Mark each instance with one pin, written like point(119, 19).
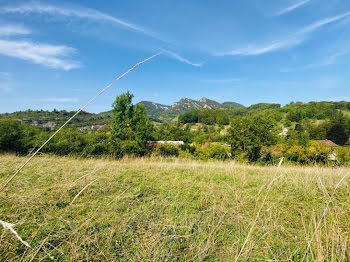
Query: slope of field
point(144, 209)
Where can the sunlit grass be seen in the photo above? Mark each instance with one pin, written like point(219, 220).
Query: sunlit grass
point(154, 209)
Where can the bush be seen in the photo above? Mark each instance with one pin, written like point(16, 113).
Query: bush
point(68, 141)
point(269, 156)
point(120, 148)
point(296, 154)
point(168, 150)
point(188, 148)
point(343, 155)
point(11, 133)
point(99, 144)
point(213, 152)
point(318, 153)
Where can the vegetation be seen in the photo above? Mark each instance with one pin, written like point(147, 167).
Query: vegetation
point(55, 118)
point(146, 209)
point(131, 129)
point(174, 204)
point(245, 134)
point(156, 112)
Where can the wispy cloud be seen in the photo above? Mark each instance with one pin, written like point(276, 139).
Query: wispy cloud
point(292, 7)
point(296, 39)
point(5, 76)
point(323, 22)
point(5, 81)
point(79, 12)
point(252, 50)
point(328, 82)
point(54, 56)
point(4, 86)
point(221, 80)
point(329, 60)
point(332, 58)
point(58, 100)
point(9, 29)
point(180, 58)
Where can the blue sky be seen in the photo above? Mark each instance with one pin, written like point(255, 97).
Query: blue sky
point(58, 54)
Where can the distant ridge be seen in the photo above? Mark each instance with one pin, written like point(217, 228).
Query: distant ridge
point(156, 112)
point(162, 113)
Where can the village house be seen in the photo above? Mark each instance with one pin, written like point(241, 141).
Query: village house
point(327, 142)
point(284, 132)
point(156, 143)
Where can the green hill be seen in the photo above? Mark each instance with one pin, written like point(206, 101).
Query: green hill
point(155, 111)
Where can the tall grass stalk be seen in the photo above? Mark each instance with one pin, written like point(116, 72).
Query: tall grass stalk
point(161, 210)
point(72, 117)
point(261, 207)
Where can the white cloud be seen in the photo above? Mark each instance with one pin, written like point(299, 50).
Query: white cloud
point(292, 7)
point(8, 30)
point(298, 38)
point(323, 22)
point(58, 100)
point(54, 56)
point(332, 58)
point(329, 60)
point(79, 12)
point(180, 58)
point(259, 50)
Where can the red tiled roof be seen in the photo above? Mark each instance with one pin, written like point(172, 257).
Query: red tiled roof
point(327, 142)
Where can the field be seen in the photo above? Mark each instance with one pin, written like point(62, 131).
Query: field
point(159, 210)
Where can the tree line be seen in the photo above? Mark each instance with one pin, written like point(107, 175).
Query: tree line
point(247, 135)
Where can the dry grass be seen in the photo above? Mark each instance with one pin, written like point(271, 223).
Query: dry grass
point(144, 209)
point(31, 156)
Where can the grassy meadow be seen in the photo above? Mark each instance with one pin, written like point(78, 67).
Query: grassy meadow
point(72, 209)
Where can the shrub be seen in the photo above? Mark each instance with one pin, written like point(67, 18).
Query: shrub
point(343, 155)
point(317, 152)
point(268, 156)
point(188, 148)
point(168, 150)
point(213, 152)
point(11, 132)
point(297, 154)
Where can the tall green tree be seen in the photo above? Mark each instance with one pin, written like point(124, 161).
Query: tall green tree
point(337, 130)
point(131, 128)
point(249, 134)
point(10, 136)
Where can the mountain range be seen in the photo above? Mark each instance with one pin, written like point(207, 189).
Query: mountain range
point(165, 113)
point(155, 111)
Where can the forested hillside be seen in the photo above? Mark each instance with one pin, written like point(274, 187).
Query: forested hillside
point(156, 112)
point(304, 133)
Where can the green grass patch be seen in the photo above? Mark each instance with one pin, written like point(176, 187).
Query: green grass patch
point(146, 209)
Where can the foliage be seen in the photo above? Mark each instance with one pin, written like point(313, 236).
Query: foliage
point(10, 136)
point(297, 154)
point(337, 130)
point(212, 152)
point(318, 152)
point(252, 133)
point(248, 135)
point(131, 128)
point(168, 150)
point(56, 118)
point(343, 155)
